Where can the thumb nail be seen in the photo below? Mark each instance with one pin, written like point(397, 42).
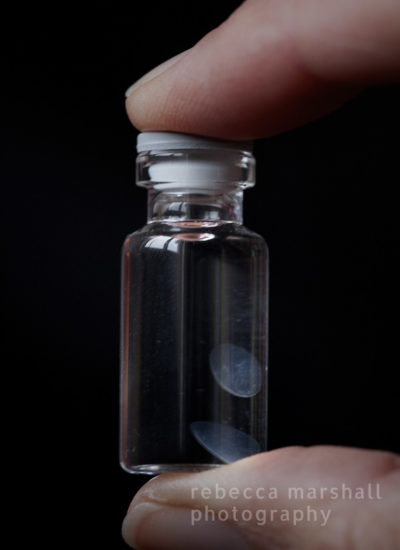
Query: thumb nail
point(155, 72)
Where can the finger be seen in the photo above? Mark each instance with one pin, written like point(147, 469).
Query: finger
point(257, 503)
point(271, 66)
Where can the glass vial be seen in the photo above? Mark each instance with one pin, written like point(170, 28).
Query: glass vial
point(194, 311)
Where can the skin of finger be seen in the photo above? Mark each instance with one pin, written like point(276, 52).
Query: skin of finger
point(352, 524)
point(350, 41)
point(259, 73)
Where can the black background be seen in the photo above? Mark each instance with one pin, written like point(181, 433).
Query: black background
point(326, 202)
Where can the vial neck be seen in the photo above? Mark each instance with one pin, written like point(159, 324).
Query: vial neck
point(214, 205)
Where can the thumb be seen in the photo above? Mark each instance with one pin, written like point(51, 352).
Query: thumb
point(271, 66)
point(291, 498)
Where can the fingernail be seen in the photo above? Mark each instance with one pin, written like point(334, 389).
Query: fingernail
point(148, 526)
point(155, 72)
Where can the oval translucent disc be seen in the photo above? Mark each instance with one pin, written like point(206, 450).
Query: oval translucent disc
point(236, 370)
point(224, 442)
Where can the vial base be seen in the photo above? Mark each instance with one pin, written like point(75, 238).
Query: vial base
point(156, 469)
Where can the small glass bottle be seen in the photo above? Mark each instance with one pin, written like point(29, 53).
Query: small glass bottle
point(193, 312)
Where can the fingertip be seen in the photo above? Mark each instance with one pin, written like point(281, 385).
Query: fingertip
point(296, 64)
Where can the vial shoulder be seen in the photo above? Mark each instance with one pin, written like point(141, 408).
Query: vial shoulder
point(159, 237)
point(246, 232)
point(254, 239)
point(225, 229)
point(136, 236)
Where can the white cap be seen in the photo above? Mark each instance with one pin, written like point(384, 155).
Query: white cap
point(199, 169)
point(151, 141)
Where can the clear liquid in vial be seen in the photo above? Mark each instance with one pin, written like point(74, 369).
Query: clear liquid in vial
point(193, 346)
